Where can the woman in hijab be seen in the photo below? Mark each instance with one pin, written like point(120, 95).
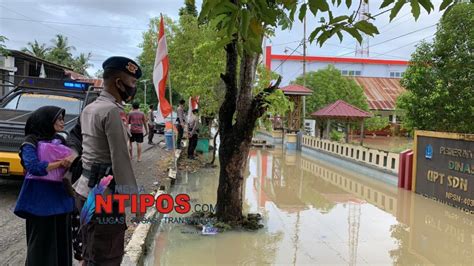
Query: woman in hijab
point(43, 200)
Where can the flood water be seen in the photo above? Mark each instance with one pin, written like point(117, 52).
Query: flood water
point(315, 213)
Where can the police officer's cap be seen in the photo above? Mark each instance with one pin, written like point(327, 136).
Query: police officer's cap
point(124, 64)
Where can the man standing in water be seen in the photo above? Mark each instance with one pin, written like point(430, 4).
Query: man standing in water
point(180, 123)
point(151, 125)
point(105, 152)
point(193, 133)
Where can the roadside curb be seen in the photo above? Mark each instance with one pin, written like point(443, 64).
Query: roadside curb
point(144, 234)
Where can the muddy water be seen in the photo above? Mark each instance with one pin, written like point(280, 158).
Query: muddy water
point(315, 213)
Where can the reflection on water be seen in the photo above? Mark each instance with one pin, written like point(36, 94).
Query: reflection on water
point(315, 213)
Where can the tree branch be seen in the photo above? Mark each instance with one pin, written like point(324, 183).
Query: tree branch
point(258, 107)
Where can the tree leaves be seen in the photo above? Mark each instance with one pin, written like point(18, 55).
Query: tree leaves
point(445, 4)
point(302, 12)
point(366, 27)
point(328, 86)
point(386, 3)
point(268, 14)
point(427, 5)
point(354, 33)
point(313, 34)
point(315, 5)
point(396, 9)
point(415, 9)
point(348, 3)
point(338, 19)
point(245, 23)
point(339, 34)
point(439, 94)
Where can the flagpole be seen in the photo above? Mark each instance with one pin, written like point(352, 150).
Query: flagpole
point(172, 123)
point(171, 115)
point(163, 59)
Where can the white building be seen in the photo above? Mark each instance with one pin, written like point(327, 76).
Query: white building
point(380, 78)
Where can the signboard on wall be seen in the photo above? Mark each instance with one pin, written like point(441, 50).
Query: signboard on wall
point(310, 127)
point(444, 168)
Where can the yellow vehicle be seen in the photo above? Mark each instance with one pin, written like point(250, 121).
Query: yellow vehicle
point(16, 107)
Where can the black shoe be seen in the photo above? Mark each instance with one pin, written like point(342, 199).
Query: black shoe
point(151, 143)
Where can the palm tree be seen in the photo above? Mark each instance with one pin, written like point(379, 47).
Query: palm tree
point(3, 48)
point(61, 51)
point(36, 49)
point(81, 63)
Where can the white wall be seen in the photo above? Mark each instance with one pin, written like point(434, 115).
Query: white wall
point(290, 70)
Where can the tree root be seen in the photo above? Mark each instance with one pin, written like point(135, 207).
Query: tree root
point(250, 223)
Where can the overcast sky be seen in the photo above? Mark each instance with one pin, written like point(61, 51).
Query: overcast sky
point(114, 27)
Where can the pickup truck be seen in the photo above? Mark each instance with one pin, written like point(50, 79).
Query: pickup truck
point(29, 95)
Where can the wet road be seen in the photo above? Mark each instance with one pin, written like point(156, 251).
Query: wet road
point(316, 213)
point(12, 229)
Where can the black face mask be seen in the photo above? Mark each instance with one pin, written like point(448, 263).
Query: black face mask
point(128, 93)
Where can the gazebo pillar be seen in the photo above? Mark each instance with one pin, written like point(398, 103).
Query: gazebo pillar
point(328, 128)
point(347, 132)
point(362, 132)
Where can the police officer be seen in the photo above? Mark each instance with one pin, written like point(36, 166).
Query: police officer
point(105, 152)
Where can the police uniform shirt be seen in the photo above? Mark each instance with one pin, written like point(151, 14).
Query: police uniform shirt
point(105, 141)
point(193, 124)
point(180, 112)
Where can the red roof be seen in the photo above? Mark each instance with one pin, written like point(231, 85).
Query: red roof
point(381, 93)
point(341, 109)
point(295, 89)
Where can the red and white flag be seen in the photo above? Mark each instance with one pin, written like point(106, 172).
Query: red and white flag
point(160, 72)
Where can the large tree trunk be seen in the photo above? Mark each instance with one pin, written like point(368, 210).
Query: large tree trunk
point(236, 123)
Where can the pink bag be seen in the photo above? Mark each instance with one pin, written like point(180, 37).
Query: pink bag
point(51, 152)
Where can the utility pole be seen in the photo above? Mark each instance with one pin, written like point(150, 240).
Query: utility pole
point(304, 68)
point(144, 82)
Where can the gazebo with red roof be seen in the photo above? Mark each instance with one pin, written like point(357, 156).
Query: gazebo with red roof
point(342, 111)
point(296, 94)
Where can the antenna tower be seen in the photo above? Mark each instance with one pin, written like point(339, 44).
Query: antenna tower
point(362, 49)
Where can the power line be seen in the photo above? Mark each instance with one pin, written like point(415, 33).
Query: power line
point(288, 56)
point(56, 29)
point(395, 38)
point(352, 48)
point(408, 44)
point(73, 24)
point(396, 19)
point(281, 44)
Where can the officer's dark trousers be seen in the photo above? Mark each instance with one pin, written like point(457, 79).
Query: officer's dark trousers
point(49, 240)
point(104, 239)
point(151, 133)
point(180, 136)
point(192, 145)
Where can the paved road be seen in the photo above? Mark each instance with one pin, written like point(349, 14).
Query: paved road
point(12, 228)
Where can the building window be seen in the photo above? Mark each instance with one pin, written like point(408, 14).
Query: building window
point(352, 73)
point(396, 74)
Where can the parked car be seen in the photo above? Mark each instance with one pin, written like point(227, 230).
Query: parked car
point(160, 121)
point(17, 106)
